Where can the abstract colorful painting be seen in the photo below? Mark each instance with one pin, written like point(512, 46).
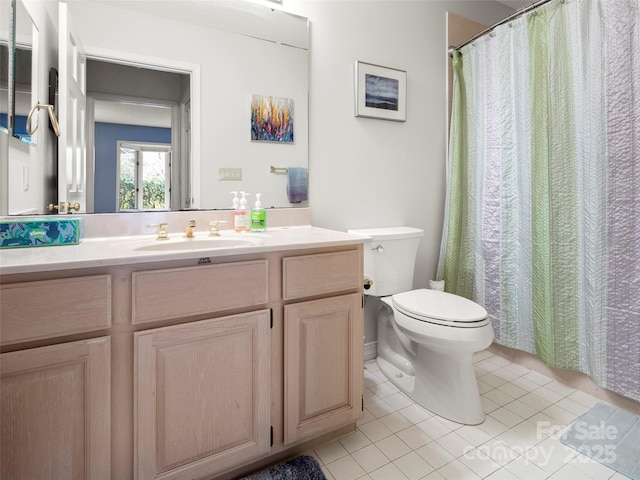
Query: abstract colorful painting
point(271, 119)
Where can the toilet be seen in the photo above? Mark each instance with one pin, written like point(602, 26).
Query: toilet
point(426, 338)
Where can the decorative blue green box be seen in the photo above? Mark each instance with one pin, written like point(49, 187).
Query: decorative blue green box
point(39, 232)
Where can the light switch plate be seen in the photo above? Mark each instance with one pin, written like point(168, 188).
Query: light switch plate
point(25, 178)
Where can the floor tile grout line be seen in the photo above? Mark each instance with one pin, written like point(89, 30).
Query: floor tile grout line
point(553, 399)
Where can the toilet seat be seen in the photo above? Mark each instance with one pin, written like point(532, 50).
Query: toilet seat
point(440, 308)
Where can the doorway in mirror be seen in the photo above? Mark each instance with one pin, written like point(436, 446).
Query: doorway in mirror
point(145, 109)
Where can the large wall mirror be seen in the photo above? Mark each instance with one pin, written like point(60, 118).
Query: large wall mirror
point(5, 13)
point(167, 93)
point(24, 61)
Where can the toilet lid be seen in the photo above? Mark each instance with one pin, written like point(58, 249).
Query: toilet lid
point(429, 305)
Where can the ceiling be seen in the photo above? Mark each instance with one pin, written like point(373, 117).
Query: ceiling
point(132, 114)
point(143, 115)
point(251, 18)
point(516, 4)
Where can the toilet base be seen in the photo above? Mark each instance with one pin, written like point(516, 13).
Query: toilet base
point(405, 383)
point(448, 390)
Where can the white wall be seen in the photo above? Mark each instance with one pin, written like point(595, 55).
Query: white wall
point(366, 172)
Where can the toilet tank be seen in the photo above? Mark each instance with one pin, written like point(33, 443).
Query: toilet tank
point(389, 258)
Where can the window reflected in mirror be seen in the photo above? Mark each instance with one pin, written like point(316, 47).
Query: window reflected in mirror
point(144, 176)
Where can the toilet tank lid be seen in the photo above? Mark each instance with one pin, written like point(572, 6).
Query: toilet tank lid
point(388, 233)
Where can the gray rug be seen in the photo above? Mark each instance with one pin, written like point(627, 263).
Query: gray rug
point(300, 468)
point(610, 436)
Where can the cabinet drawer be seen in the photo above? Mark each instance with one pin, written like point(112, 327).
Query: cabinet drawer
point(51, 308)
point(181, 292)
point(319, 274)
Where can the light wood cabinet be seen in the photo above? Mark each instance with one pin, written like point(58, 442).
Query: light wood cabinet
point(181, 292)
point(55, 412)
point(182, 369)
point(81, 304)
point(202, 397)
point(321, 274)
point(323, 363)
point(323, 343)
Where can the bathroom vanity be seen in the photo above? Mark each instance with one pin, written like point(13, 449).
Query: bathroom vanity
point(123, 358)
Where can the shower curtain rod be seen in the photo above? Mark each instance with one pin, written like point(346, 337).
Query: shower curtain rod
point(517, 14)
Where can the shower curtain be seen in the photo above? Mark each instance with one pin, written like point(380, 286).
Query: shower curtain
point(542, 223)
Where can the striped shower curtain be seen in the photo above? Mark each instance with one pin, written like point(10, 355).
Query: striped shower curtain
point(542, 223)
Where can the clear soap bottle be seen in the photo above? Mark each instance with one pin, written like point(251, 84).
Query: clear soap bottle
point(235, 202)
point(241, 215)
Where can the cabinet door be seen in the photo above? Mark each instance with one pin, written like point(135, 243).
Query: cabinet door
point(55, 411)
point(324, 365)
point(202, 396)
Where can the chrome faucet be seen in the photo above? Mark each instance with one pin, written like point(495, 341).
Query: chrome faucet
point(190, 231)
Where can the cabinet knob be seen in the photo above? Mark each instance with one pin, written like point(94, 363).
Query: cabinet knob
point(62, 208)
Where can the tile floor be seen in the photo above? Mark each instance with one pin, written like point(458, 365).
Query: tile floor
point(519, 440)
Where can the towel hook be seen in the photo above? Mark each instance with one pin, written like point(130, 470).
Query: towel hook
point(52, 118)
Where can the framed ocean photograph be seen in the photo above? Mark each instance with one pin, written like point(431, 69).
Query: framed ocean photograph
point(380, 92)
point(271, 119)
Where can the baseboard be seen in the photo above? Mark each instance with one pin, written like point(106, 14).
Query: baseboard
point(574, 379)
point(370, 350)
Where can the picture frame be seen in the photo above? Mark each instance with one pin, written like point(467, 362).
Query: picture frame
point(380, 92)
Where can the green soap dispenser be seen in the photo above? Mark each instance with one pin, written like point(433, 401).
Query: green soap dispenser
point(258, 216)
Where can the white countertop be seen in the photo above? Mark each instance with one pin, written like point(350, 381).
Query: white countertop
point(100, 252)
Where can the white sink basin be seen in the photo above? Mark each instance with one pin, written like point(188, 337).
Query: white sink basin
point(207, 243)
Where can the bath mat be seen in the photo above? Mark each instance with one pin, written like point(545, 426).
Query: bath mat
point(610, 436)
point(300, 468)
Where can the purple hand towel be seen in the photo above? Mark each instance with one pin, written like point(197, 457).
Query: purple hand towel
point(296, 184)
